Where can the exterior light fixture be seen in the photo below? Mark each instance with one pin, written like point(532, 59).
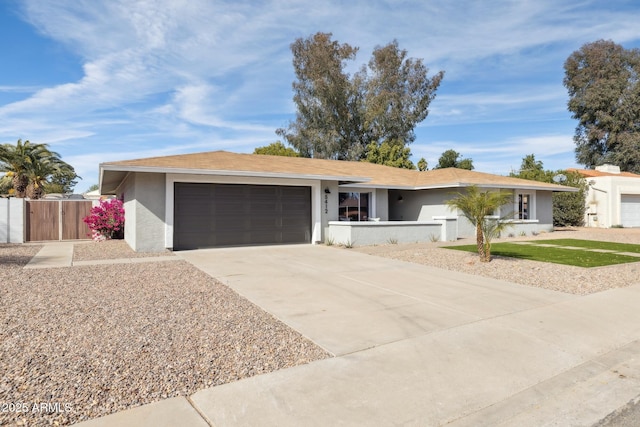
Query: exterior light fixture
point(327, 191)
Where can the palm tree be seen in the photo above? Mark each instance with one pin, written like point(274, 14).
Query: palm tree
point(476, 206)
point(42, 169)
point(29, 166)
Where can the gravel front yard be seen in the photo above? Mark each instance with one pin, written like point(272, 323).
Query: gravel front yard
point(112, 249)
point(93, 340)
point(88, 341)
point(574, 280)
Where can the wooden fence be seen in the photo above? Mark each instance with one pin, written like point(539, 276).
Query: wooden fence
point(56, 220)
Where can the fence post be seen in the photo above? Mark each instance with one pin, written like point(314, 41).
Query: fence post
point(60, 220)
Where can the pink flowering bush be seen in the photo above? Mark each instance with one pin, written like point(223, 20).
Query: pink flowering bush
point(106, 221)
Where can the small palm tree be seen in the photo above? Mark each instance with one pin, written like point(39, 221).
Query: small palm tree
point(29, 166)
point(476, 206)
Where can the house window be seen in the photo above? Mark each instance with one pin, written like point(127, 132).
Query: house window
point(524, 206)
point(354, 206)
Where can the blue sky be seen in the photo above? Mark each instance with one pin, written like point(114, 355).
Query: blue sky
point(119, 79)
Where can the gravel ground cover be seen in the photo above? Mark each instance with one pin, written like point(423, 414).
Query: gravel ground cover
point(110, 249)
point(564, 278)
point(82, 342)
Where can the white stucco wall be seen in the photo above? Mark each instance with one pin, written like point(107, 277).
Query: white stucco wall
point(150, 213)
point(419, 205)
point(329, 205)
point(12, 220)
point(366, 233)
point(382, 204)
point(604, 197)
point(127, 193)
point(544, 207)
point(144, 210)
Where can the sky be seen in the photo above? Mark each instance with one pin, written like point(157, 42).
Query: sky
point(107, 80)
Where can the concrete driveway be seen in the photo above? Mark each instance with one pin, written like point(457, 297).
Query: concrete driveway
point(423, 346)
point(347, 302)
point(417, 345)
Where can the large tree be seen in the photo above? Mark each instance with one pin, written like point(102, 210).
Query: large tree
point(390, 155)
point(63, 180)
point(339, 115)
point(451, 159)
point(602, 79)
point(533, 169)
point(276, 149)
point(31, 167)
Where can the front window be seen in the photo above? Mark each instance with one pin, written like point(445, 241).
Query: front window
point(353, 206)
point(524, 206)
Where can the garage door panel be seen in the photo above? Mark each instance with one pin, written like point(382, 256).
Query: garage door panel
point(209, 215)
point(630, 210)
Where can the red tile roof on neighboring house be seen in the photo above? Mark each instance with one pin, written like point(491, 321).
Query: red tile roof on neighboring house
point(592, 173)
point(362, 173)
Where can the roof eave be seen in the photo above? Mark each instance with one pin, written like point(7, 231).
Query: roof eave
point(498, 186)
point(219, 172)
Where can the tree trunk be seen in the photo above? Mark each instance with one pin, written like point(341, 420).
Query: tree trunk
point(487, 253)
point(20, 183)
point(34, 191)
point(480, 243)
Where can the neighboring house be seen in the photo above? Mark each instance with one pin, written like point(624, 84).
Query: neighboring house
point(92, 195)
point(613, 198)
point(225, 199)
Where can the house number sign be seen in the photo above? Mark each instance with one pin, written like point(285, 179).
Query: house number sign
point(326, 203)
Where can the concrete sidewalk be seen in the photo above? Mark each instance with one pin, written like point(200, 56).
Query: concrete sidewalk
point(416, 345)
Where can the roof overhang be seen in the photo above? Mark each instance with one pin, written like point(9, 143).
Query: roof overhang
point(112, 176)
point(463, 185)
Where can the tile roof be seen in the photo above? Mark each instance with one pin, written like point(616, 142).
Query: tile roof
point(362, 173)
point(592, 173)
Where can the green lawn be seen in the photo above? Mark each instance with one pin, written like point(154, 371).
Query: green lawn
point(592, 244)
point(559, 255)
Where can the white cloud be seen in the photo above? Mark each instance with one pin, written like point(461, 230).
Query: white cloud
point(502, 156)
point(170, 74)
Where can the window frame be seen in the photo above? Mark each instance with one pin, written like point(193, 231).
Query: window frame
point(359, 208)
point(520, 206)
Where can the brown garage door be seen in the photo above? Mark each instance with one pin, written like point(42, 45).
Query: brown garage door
point(211, 215)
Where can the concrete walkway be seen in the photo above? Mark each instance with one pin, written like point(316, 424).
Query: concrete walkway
point(53, 254)
point(60, 254)
point(416, 345)
point(578, 248)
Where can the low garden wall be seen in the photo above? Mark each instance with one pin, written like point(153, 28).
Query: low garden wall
point(365, 233)
point(528, 227)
